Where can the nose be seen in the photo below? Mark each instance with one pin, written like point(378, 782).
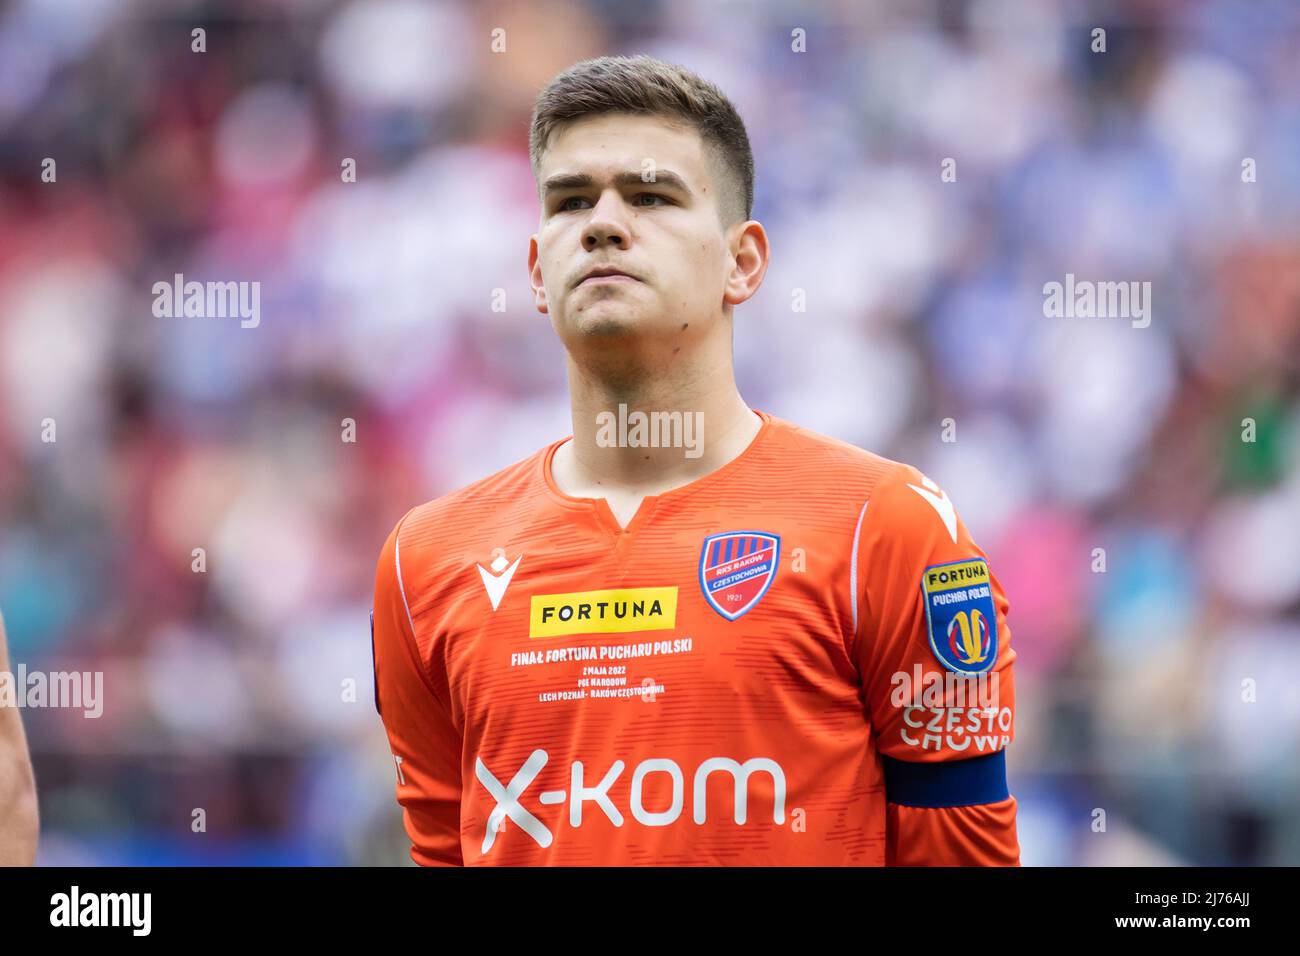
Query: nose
point(607, 225)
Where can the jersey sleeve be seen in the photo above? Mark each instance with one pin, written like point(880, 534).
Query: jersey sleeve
point(934, 651)
point(421, 732)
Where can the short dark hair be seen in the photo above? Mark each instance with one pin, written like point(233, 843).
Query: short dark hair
point(646, 86)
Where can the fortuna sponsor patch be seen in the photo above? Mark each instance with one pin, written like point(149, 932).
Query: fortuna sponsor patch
point(959, 612)
point(618, 611)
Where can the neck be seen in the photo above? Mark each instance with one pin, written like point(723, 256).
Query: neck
point(651, 432)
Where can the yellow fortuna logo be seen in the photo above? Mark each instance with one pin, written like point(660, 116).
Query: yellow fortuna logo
point(603, 612)
point(959, 574)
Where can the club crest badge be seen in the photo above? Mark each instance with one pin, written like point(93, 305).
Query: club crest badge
point(737, 568)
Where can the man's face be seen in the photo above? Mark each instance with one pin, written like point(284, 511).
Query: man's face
point(599, 212)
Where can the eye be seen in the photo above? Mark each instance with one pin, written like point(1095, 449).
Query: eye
point(564, 204)
point(636, 200)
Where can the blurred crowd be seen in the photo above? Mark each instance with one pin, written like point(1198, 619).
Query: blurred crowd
point(1137, 489)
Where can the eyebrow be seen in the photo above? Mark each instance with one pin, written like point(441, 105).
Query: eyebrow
point(663, 177)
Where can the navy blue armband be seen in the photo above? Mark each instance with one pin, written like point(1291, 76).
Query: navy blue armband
point(374, 664)
point(948, 783)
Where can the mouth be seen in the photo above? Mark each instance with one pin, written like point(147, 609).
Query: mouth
point(606, 276)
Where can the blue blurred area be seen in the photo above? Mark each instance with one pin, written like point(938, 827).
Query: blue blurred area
point(162, 849)
point(1151, 553)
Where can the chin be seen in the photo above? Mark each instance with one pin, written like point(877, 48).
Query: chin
point(606, 322)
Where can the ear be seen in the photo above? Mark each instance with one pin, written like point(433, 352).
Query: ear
point(749, 258)
point(535, 276)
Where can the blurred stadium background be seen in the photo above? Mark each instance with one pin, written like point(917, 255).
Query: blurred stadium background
point(223, 689)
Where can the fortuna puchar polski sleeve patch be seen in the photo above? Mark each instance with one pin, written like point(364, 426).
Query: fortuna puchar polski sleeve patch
point(960, 616)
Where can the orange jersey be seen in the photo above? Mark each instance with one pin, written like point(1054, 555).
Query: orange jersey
point(801, 658)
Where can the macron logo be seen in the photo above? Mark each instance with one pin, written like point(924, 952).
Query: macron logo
point(495, 580)
point(940, 503)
